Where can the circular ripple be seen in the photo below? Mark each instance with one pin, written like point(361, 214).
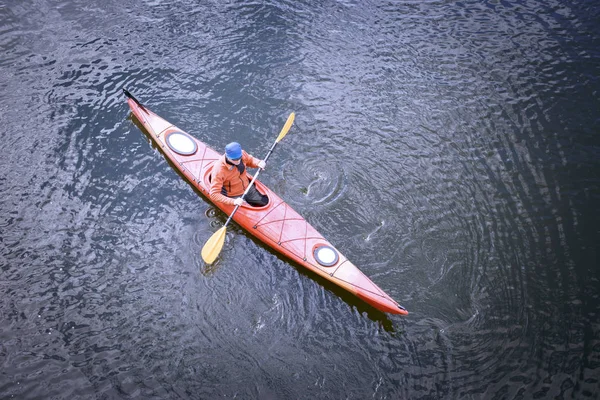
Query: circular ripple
point(315, 182)
point(211, 212)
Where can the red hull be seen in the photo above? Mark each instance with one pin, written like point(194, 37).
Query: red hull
point(277, 224)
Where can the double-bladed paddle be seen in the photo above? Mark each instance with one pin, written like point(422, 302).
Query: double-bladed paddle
point(214, 244)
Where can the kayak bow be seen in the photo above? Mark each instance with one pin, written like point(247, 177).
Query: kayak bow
point(277, 225)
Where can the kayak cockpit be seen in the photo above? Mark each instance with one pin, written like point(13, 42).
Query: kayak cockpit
point(262, 189)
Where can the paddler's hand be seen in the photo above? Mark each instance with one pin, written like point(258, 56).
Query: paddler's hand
point(262, 164)
point(238, 202)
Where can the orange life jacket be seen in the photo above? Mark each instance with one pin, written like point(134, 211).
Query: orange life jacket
point(228, 180)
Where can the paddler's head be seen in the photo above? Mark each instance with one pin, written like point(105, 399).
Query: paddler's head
point(233, 152)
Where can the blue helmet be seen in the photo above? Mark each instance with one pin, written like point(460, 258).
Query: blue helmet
point(233, 151)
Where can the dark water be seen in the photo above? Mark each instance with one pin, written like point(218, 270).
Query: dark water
point(450, 149)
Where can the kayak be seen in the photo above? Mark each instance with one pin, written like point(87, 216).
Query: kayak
point(276, 224)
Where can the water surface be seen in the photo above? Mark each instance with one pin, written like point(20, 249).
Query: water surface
point(449, 149)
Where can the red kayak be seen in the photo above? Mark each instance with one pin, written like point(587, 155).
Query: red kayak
point(277, 225)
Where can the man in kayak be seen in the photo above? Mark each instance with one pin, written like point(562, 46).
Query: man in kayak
point(229, 180)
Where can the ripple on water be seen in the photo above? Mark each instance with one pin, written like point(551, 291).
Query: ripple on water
point(313, 181)
point(465, 173)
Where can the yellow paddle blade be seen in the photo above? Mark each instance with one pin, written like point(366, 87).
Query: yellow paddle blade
point(286, 127)
point(213, 246)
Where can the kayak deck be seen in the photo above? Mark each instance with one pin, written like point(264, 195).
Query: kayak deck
point(277, 224)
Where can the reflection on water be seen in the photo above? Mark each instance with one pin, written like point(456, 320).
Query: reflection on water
point(449, 150)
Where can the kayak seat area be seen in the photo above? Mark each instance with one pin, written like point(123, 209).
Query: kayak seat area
point(265, 198)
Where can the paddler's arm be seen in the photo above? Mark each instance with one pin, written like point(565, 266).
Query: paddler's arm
point(252, 161)
point(215, 190)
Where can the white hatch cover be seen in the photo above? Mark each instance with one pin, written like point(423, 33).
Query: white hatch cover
point(326, 255)
point(181, 143)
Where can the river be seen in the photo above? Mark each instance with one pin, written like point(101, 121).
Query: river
point(450, 150)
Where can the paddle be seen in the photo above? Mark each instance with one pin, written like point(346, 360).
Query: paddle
point(214, 244)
